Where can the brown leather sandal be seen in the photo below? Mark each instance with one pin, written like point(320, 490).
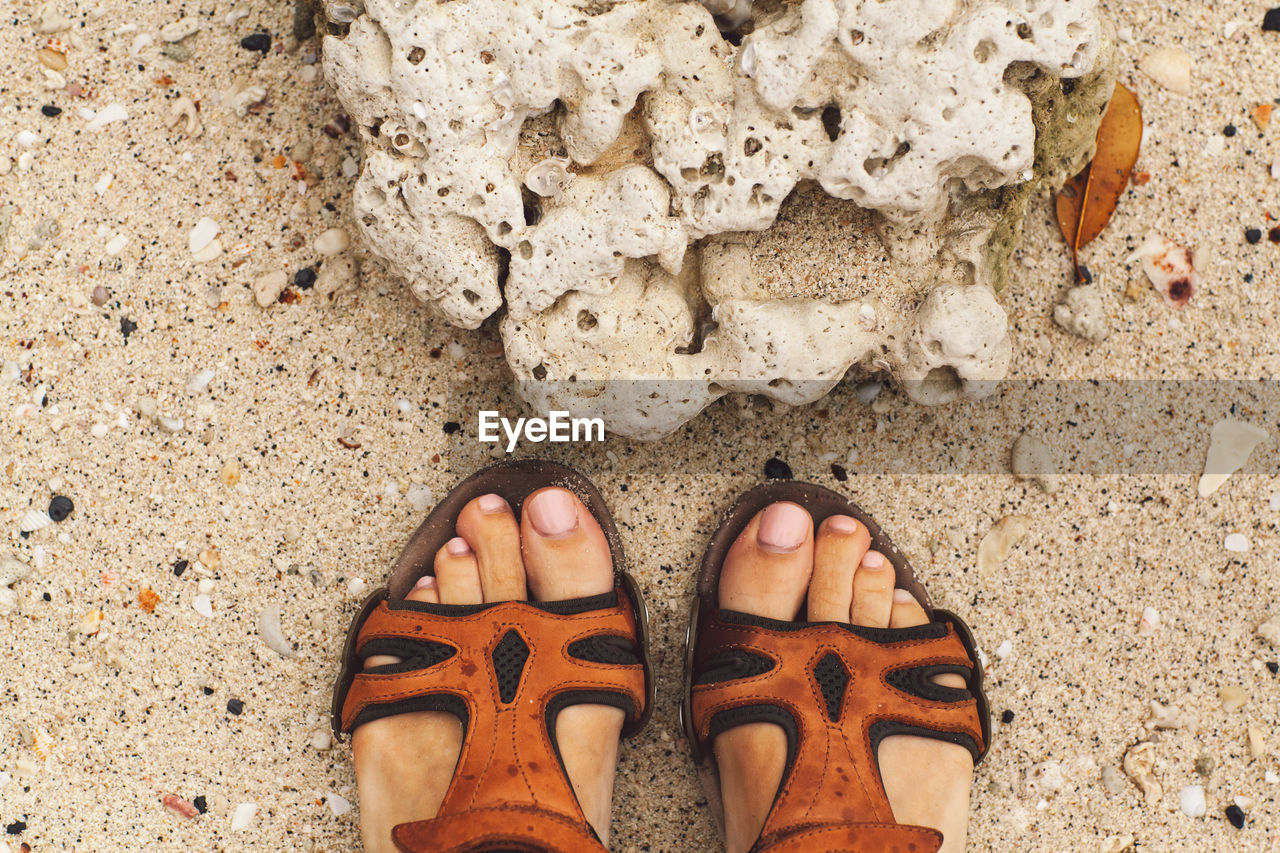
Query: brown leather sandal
point(836, 689)
point(505, 670)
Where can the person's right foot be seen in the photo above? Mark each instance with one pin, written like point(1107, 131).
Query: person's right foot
point(779, 568)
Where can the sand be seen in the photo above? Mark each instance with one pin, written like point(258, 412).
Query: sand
point(100, 721)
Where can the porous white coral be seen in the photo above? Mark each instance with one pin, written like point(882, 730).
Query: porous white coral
point(562, 156)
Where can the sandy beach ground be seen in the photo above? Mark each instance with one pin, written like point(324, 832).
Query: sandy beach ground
point(225, 459)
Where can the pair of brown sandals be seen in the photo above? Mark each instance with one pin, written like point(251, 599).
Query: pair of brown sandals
point(506, 669)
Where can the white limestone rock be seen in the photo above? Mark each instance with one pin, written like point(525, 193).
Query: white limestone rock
point(1083, 312)
point(625, 165)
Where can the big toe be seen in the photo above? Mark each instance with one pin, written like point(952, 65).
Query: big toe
point(768, 567)
point(566, 553)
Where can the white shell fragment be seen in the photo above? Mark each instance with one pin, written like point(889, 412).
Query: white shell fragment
point(1236, 543)
point(243, 816)
point(1169, 267)
point(202, 235)
point(1191, 800)
point(199, 381)
point(1149, 622)
point(549, 178)
point(184, 110)
point(180, 29)
point(12, 569)
point(110, 113)
point(1139, 766)
point(1032, 460)
point(1230, 443)
point(203, 605)
point(271, 633)
point(339, 805)
point(999, 541)
point(1170, 67)
point(268, 287)
point(33, 520)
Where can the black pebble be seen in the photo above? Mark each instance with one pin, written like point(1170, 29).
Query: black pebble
point(16, 828)
point(200, 804)
point(838, 472)
point(51, 111)
point(1271, 21)
point(1273, 667)
point(776, 469)
point(1253, 235)
point(260, 42)
point(450, 427)
point(60, 507)
point(180, 567)
point(47, 597)
point(1086, 275)
point(1006, 717)
point(235, 706)
point(127, 328)
point(208, 691)
point(1229, 130)
point(304, 278)
point(1236, 816)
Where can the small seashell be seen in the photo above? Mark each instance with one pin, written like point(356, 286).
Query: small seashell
point(999, 541)
point(42, 744)
point(180, 29)
point(1139, 766)
point(270, 632)
point(184, 110)
point(1230, 443)
point(140, 43)
point(549, 178)
point(1170, 67)
point(243, 816)
point(179, 805)
point(202, 234)
point(203, 606)
point(1169, 268)
point(33, 520)
point(240, 98)
point(12, 569)
point(337, 804)
point(1236, 543)
point(53, 55)
point(1191, 800)
point(1149, 622)
point(110, 113)
point(332, 241)
point(199, 381)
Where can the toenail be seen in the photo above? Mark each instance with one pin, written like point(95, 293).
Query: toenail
point(783, 527)
point(491, 504)
point(901, 596)
point(457, 547)
point(426, 582)
point(873, 560)
point(842, 524)
point(552, 513)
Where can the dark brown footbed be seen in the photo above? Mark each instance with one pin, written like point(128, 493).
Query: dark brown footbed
point(514, 481)
point(820, 503)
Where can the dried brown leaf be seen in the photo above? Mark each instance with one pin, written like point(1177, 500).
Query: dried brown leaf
point(1085, 205)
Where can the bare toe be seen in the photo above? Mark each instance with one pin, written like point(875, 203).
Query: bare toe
point(907, 612)
point(458, 573)
point(566, 554)
point(838, 549)
point(490, 528)
point(873, 591)
point(768, 567)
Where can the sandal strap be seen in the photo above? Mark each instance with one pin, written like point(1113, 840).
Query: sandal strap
point(506, 828)
point(505, 670)
point(854, 838)
point(837, 690)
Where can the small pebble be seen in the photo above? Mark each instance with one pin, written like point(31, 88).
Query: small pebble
point(1257, 742)
point(1170, 67)
point(235, 706)
point(1236, 543)
point(1004, 649)
point(332, 242)
point(51, 111)
point(1236, 816)
point(1191, 798)
point(1233, 697)
point(1229, 130)
point(268, 287)
point(338, 805)
point(243, 816)
point(205, 586)
point(199, 381)
point(304, 278)
point(1271, 21)
point(776, 469)
point(260, 42)
point(1253, 235)
point(60, 507)
point(1006, 716)
point(839, 472)
point(203, 606)
point(1271, 777)
point(180, 567)
point(321, 740)
point(127, 328)
point(171, 424)
point(450, 427)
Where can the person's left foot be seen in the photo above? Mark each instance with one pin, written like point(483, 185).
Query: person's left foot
point(405, 763)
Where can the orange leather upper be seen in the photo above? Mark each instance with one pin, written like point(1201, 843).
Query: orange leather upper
point(832, 797)
point(509, 787)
